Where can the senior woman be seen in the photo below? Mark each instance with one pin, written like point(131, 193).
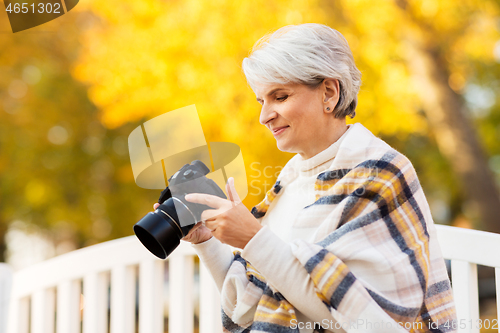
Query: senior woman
point(344, 241)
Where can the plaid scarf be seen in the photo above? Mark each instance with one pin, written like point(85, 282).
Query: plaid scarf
point(371, 200)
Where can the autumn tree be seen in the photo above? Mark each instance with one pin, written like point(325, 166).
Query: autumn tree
point(61, 170)
point(415, 58)
point(71, 96)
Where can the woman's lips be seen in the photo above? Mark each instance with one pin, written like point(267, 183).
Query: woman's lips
point(279, 130)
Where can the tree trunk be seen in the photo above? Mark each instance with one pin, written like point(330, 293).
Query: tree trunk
point(455, 136)
point(3, 245)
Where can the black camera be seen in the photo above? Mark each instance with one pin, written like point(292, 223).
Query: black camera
point(161, 231)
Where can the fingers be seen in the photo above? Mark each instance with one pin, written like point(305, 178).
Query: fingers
point(211, 224)
point(205, 199)
point(155, 206)
point(209, 214)
point(231, 191)
point(196, 226)
point(191, 233)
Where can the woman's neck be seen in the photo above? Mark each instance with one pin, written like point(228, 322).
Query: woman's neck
point(330, 136)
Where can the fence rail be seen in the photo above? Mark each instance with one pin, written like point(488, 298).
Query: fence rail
point(116, 287)
point(466, 249)
point(119, 287)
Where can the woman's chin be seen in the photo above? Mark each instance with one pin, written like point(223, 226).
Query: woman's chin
point(284, 148)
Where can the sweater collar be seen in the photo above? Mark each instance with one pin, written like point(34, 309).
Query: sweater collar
point(353, 147)
point(357, 144)
point(320, 159)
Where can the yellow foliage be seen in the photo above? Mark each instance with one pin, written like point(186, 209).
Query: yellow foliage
point(148, 57)
point(36, 192)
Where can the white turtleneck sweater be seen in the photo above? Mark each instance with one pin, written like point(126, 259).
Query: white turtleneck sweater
point(279, 220)
point(298, 194)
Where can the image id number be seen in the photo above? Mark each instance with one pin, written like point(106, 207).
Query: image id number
point(40, 8)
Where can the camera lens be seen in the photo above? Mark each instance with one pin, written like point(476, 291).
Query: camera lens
point(160, 232)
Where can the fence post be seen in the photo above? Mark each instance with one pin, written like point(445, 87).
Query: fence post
point(5, 287)
point(181, 281)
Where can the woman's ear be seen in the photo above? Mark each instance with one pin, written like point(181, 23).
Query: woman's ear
point(331, 94)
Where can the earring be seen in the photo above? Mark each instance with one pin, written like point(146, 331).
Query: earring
point(327, 109)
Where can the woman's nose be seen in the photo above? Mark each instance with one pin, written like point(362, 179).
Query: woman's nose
point(266, 114)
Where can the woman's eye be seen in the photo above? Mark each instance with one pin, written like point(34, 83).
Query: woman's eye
point(281, 99)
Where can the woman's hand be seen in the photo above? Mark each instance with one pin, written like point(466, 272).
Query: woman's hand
point(198, 234)
point(230, 221)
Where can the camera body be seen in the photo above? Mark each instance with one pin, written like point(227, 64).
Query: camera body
point(161, 231)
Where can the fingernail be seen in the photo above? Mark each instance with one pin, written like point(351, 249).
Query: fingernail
point(188, 197)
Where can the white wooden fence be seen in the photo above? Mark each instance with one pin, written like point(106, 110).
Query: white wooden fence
point(468, 248)
point(69, 294)
point(73, 293)
point(5, 285)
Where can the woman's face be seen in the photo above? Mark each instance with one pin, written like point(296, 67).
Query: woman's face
point(297, 116)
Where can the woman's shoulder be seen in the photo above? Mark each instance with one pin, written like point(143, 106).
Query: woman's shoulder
point(361, 145)
point(359, 149)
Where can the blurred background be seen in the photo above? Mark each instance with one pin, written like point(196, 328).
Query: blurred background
point(73, 89)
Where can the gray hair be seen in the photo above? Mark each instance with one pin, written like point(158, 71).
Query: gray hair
point(307, 54)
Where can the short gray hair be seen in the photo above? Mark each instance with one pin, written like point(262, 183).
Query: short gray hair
point(307, 54)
